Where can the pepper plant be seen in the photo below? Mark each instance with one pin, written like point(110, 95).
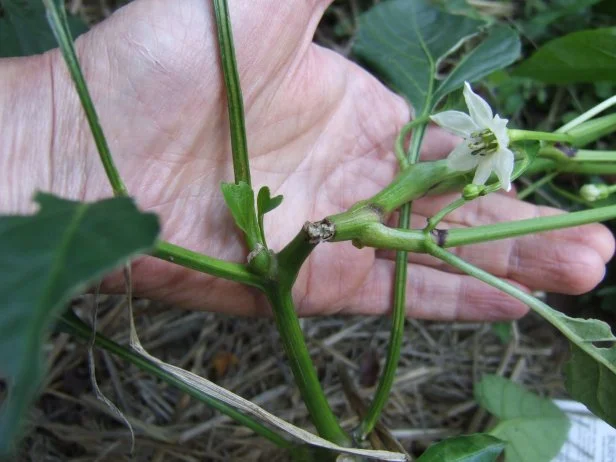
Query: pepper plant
point(489, 157)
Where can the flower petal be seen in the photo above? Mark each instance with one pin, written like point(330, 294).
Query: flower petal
point(484, 170)
point(499, 128)
point(502, 163)
point(455, 122)
point(480, 111)
point(460, 159)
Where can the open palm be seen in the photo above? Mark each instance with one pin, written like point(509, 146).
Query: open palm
point(320, 132)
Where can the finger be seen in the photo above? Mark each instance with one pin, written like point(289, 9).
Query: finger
point(434, 294)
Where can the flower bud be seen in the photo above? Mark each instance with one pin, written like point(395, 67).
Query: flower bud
point(473, 191)
point(594, 192)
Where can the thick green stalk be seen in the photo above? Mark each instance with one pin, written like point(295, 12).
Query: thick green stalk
point(380, 236)
point(291, 258)
point(214, 266)
point(72, 324)
point(414, 182)
point(57, 20)
point(302, 367)
point(235, 103)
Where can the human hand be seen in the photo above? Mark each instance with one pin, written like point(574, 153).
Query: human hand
point(320, 132)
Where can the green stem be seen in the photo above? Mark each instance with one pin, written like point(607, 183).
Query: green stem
point(290, 259)
point(396, 336)
point(57, 20)
point(556, 318)
point(589, 168)
point(401, 139)
point(536, 185)
point(593, 130)
point(460, 236)
point(302, 367)
point(380, 236)
point(73, 325)
point(518, 135)
point(588, 115)
point(544, 164)
point(210, 265)
point(399, 307)
point(434, 220)
point(555, 154)
point(239, 145)
point(588, 155)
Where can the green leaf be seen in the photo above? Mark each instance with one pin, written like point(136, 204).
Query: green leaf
point(469, 448)
point(46, 259)
point(593, 384)
point(585, 56)
point(405, 42)
point(500, 48)
point(265, 204)
point(240, 198)
point(535, 428)
point(24, 30)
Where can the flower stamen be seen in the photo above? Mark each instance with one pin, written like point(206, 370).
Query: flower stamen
point(483, 142)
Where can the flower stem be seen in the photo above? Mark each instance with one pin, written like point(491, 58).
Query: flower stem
point(518, 135)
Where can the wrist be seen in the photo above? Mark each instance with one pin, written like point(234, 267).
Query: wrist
point(39, 124)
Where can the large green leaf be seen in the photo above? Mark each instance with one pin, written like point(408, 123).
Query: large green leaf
point(585, 56)
point(471, 448)
point(24, 30)
point(500, 48)
point(47, 258)
point(406, 41)
point(535, 428)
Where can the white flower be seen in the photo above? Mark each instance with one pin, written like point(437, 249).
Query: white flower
point(485, 145)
